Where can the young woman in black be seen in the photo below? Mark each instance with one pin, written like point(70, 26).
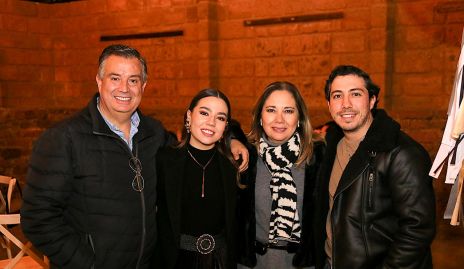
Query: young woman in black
point(197, 191)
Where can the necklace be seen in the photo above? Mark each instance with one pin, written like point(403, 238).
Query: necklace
point(203, 167)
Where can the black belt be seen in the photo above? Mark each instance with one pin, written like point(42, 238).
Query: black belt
point(203, 244)
point(261, 248)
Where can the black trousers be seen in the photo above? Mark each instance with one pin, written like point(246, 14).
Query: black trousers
point(327, 265)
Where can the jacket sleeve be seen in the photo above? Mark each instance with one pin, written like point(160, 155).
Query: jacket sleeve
point(235, 132)
point(170, 138)
point(414, 203)
point(45, 202)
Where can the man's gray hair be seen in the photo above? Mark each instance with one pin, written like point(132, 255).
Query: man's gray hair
point(123, 51)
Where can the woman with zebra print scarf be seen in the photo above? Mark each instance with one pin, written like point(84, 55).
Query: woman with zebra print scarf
point(276, 206)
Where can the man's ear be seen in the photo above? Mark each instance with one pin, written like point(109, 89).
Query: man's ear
point(372, 101)
point(99, 82)
point(143, 87)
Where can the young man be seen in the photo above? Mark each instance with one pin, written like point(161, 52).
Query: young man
point(90, 196)
point(376, 205)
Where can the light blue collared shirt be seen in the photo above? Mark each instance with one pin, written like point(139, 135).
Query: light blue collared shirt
point(135, 120)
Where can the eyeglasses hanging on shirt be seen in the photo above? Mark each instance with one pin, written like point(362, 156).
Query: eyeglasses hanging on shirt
point(138, 182)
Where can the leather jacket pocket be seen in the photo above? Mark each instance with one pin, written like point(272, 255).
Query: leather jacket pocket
point(90, 241)
point(381, 232)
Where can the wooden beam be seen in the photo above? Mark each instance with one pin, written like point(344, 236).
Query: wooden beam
point(295, 19)
point(51, 1)
point(142, 35)
point(451, 6)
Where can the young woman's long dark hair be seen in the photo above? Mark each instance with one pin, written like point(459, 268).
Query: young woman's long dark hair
point(221, 144)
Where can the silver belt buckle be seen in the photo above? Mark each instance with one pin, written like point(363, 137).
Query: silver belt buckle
point(205, 244)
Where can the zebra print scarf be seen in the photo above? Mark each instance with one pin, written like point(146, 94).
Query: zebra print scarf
point(284, 223)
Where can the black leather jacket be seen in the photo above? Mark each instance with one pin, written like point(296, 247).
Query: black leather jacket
point(304, 255)
point(384, 207)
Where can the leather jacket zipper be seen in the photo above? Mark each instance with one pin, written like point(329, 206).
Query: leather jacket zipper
point(371, 182)
point(370, 202)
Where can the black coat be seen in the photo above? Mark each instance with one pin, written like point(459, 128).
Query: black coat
point(170, 168)
point(79, 207)
point(384, 207)
point(246, 217)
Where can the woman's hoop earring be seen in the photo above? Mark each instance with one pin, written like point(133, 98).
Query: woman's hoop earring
point(187, 127)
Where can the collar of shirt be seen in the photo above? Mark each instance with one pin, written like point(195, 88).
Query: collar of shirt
point(135, 120)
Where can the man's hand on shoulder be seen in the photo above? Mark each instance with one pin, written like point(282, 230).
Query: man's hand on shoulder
point(239, 151)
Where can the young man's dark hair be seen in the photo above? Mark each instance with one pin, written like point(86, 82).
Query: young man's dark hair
point(344, 70)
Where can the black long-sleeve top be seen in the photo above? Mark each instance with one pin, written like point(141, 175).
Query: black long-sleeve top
point(202, 214)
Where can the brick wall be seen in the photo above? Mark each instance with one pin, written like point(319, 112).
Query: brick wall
point(20, 127)
point(48, 58)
